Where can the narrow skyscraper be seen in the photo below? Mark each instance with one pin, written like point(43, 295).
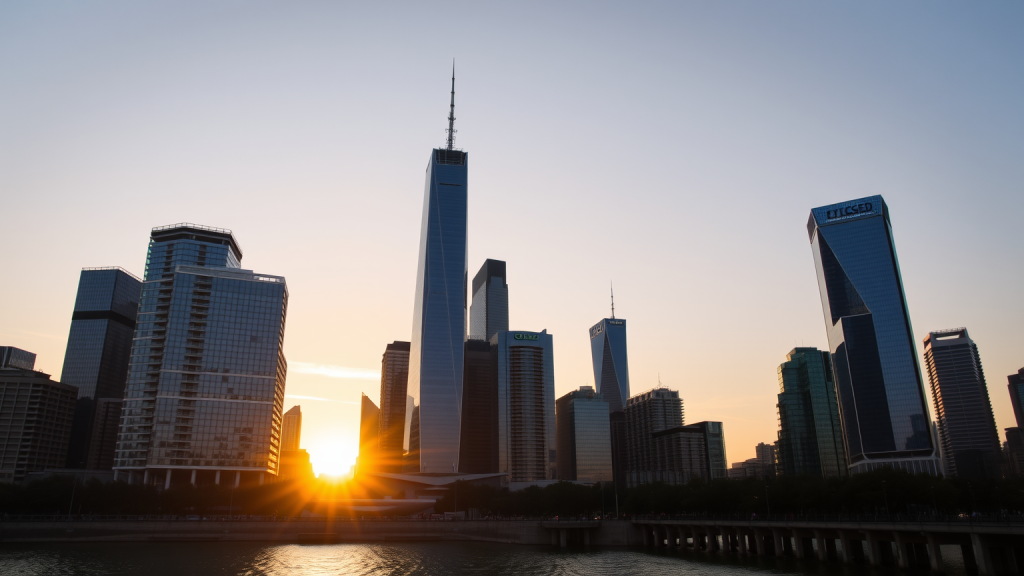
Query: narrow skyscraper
point(967, 427)
point(810, 436)
point(611, 378)
point(439, 314)
point(96, 361)
point(1016, 387)
point(647, 413)
point(526, 405)
point(878, 379)
point(369, 433)
point(291, 429)
point(205, 389)
point(488, 313)
point(478, 450)
point(584, 439)
point(394, 382)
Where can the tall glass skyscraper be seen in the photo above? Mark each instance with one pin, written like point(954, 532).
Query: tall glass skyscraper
point(810, 436)
point(439, 318)
point(611, 378)
point(881, 394)
point(394, 383)
point(96, 361)
point(963, 411)
point(478, 449)
point(206, 382)
point(646, 413)
point(527, 451)
point(488, 313)
point(584, 439)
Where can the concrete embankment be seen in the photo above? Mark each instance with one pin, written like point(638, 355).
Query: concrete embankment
point(608, 533)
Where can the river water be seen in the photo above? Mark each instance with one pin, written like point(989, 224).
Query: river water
point(426, 559)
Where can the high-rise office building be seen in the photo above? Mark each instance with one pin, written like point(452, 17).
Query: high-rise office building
point(1016, 386)
point(526, 405)
point(206, 382)
point(12, 358)
point(291, 429)
point(881, 394)
point(611, 378)
point(967, 427)
point(680, 455)
point(478, 449)
point(394, 381)
point(810, 436)
point(488, 313)
point(583, 436)
point(766, 457)
point(439, 314)
point(714, 438)
point(645, 414)
point(35, 423)
point(96, 360)
point(369, 433)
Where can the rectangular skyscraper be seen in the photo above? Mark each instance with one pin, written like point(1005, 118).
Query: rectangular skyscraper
point(35, 423)
point(611, 378)
point(488, 313)
point(967, 427)
point(810, 436)
point(205, 390)
point(96, 361)
point(526, 405)
point(369, 434)
point(584, 438)
point(291, 429)
point(880, 391)
point(12, 358)
point(1016, 387)
point(478, 450)
point(394, 382)
point(646, 413)
point(439, 318)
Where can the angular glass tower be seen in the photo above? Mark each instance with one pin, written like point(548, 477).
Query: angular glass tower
point(439, 317)
point(488, 313)
point(967, 427)
point(206, 382)
point(878, 378)
point(810, 436)
point(611, 378)
point(96, 360)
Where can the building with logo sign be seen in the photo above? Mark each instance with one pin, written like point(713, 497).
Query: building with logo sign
point(882, 404)
point(527, 450)
point(611, 378)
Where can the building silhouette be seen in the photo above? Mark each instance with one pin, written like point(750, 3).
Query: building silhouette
point(205, 391)
point(439, 314)
point(526, 406)
point(488, 313)
point(963, 411)
point(369, 434)
point(12, 358)
point(96, 361)
point(881, 395)
point(1016, 387)
point(611, 378)
point(291, 429)
point(645, 414)
point(478, 448)
point(394, 401)
point(680, 455)
point(810, 435)
point(583, 436)
point(36, 415)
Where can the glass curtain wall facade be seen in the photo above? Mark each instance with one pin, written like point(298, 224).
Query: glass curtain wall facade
point(439, 318)
point(96, 360)
point(881, 394)
point(478, 449)
point(206, 382)
point(583, 436)
point(967, 427)
point(12, 358)
point(394, 381)
point(810, 436)
point(527, 450)
point(611, 378)
point(646, 413)
point(488, 313)
point(714, 438)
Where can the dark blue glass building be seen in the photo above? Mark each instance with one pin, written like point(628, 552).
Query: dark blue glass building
point(488, 312)
point(439, 318)
point(205, 390)
point(96, 361)
point(611, 378)
point(878, 378)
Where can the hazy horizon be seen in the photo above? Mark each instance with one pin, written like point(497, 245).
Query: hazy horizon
point(673, 149)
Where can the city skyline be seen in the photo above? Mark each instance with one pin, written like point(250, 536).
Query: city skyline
point(942, 168)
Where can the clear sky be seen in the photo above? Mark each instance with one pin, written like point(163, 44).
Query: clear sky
point(673, 148)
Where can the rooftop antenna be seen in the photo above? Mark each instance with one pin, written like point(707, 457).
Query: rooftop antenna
point(451, 113)
point(613, 299)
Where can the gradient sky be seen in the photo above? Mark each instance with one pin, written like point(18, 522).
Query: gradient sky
point(673, 148)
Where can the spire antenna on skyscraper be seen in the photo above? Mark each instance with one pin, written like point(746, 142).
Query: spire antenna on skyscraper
point(451, 112)
point(613, 299)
